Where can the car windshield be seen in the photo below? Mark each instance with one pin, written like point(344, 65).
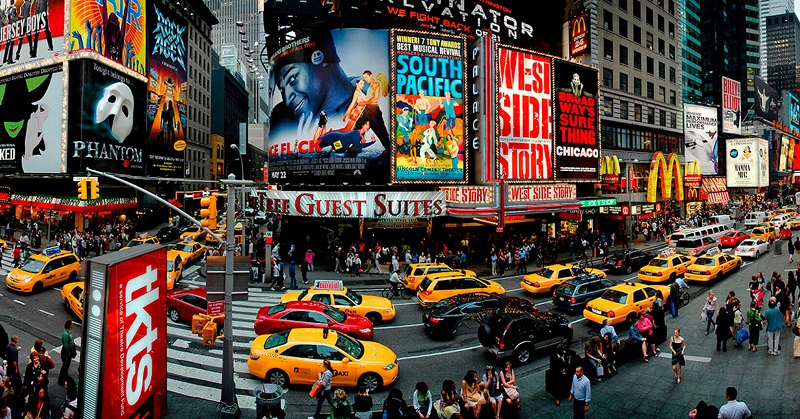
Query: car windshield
point(354, 297)
point(615, 296)
point(276, 309)
point(618, 255)
point(351, 346)
point(547, 273)
point(171, 265)
point(425, 283)
point(731, 234)
point(661, 263)
point(335, 314)
point(182, 247)
point(33, 266)
point(566, 289)
point(276, 339)
point(705, 261)
point(748, 243)
point(134, 242)
point(757, 232)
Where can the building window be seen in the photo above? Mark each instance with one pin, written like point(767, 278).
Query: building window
point(648, 16)
point(673, 120)
point(623, 82)
point(623, 54)
point(661, 49)
point(608, 20)
point(649, 41)
point(637, 112)
point(637, 60)
point(672, 74)
point(671, 7)
point(623, 4)
point(661, 23)
point(651, 67)
point(672, 52)
point(623, 109)
point(651, 90)
point(637, 86)
point(608, 77)
point(661, 94)
point(608, 106)
point(608, 49)
point(623, 27)
point(651, 115)
point(662, 70)
point(637, 9)
point(671, 31)
point(662, 118)
point(637, 34)
point(672, 97)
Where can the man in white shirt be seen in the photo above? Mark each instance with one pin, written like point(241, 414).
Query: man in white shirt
point(734, 409)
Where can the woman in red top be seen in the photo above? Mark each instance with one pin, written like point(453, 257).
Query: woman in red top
point(39, 404)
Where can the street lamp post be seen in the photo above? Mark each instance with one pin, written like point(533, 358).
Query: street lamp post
point(243, 203)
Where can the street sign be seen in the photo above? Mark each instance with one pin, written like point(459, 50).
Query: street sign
point(598, 202)
point(215, 308)
point(498, 229)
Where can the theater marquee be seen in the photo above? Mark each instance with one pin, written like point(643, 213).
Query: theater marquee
point(353, 204)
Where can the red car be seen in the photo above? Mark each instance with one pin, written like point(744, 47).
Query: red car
point(287, 316)
point(183, 303)
point(733, 238)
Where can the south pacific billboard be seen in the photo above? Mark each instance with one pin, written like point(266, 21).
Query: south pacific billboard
point(701, 131)
point(330, 109)
point(167, 89)
point(106, 119)
point(577, 145)
point(32, 30)
point(30, 105)
point(114, 29)
point(429, 82)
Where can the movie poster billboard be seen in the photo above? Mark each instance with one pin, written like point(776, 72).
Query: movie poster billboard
point(114, 29)
point(744, 162)
point(429, 79)
point(577, 122)
point(329, 96)
point(766, 100)
point(524, 122)
point(731, 105)
point(701, 134)
point(32, 30)
point(106, 119)
point(781, 153)
point(167, 89)
point(31, 103)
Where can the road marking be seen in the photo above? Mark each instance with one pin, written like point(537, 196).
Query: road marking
point(49, 314)
point(406, 304)
point(514, 290)
point(543, 303)
point(579, 320)
point(404, 358)
point(19, 302)
point(181, 343)
point(400, 326)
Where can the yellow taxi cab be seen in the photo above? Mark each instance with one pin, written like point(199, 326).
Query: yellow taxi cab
point(142, 240)
point(765, 233)
point(174, 268)
point(211, 241)
point(415, 273)
point(551, 276)
point(712, 266)
point(376, 309)
point(623, 302)
point(295, 357)
point(3, 244)
point(72, 294)
point(793, 223)
point(52, 266)
point(438, 286)
point(189, 251)
point(193, 233)
point(666, 267)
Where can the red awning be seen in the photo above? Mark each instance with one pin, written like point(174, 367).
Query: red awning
point(175, 202)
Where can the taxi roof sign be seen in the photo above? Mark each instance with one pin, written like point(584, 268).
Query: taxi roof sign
point(667, 252)
point(329, 284)
point(712, 251)
point(52, 250)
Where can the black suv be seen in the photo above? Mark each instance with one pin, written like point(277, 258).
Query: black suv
point(517, 334)
point(575, 293)
point(627, 260)
point(442, 319)
point(168, 233)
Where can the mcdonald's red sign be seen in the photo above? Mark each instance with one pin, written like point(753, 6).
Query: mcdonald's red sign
point(579, 35)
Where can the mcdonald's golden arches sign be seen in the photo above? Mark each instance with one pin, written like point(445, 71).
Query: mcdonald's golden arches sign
point(579, 35)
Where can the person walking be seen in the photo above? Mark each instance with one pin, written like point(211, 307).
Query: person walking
point(797, 249)
point(791, 285)
point(292, 275)
point(709, 308)
point(754, 321)
point(580, 394)
point(724, 329)
point(678, 346)
point(325, 377)
point(775, 323)
point(734, 409)
point(790, 248)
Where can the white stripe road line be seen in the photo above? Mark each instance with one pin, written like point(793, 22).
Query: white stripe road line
point(579, 320)
point(208, 393)
point(19, 302)
point(543, 303)
point(406, 304)
point(514, 290)
point(399, 326)
point(49, 314)
point(405, 358)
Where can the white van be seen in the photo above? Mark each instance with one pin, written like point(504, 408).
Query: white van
point(753, 218)
point(723, 219)
point(779, 220)
point(713, 231)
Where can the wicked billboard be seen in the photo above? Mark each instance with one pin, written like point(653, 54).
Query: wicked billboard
point(329, 95)
point(577, 149)
point(36, 25)
point(429, 79)
point(112, 28)
point(167, 90)
point(107, 119)
point(30, 105)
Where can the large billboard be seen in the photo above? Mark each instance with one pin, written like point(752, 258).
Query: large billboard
point(793, 113)
point(766, 100)
point(731, 106)
point(429, 81)
point(31, 103)
point(329, 95)
point(524, 120)
point(579, 35)
point(167, 89)
point(112, 28)
point(32, 30)
point(747, 163)
point(575, 111)
point(701, 134)
point(106, 119)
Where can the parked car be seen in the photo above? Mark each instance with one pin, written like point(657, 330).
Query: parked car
point(443, 318)
point(752, 248)
point(575, 293)
point(168, 233)
point(623, 302)
point(294, 314)
point(628, 260)
point(184, 303)
point(517, 335)
point(733, 238)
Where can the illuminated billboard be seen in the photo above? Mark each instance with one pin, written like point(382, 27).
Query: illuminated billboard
point(731, 106)
point(429, 103)
point(579, 35)
point(577, 133)
point(766, 99)
point(701, 134)
point(747, 162)
point(114, 29)
point(32, 30)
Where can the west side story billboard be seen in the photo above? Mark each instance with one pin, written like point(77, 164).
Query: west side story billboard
point(329, 95)
point(429, 125)
point(114, 29)
point(31, 31)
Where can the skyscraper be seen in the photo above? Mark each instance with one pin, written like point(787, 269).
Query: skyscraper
point(692, 61)
point(770, 8)
point(783, 51)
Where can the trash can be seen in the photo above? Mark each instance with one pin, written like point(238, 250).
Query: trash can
point(268, 396)
point(778, 249)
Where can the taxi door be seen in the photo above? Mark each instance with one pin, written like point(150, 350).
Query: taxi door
point(76, 302)
point(302, 363)
point(640, 300)
point(51, 273)
point(345, 304)
point(345, 373)
point(681, 264)
point(729, 263)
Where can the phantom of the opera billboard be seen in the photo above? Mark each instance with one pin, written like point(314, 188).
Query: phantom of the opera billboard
point(701, 134)
point(747, 162)
point(429, 103)
point(114, 29)
point(167, 89)
point(731, 104)
point(329, 94)
point(31, 31)
point(106, 119)
point(31, 103)
point(575, 104)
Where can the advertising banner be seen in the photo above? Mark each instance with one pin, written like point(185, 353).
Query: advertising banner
point(106, 119)
point(670, 172)
point(167, 89)
point(114, 29)
point(353, 204)
point(794, 113)
point(524, 122)
point(468, 194)
point(743, 163)
point(329, 95)
point(766, 100)
point(429, 81)
point(731, 105)
point(36, 25)
point(539, 193)
point(700, 133)
point(577, 122)
point(781, 152)
point(31, 103)
point(579, 35)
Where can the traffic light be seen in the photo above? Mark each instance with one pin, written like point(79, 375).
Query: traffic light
point(208, 212)
point(83, 192)
point(94, 189)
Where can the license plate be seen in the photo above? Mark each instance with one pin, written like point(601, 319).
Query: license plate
point(595, 311)
point(561, 298)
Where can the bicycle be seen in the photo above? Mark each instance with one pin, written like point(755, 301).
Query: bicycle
point(683, 299)
point(402, 291)
point(583, 262)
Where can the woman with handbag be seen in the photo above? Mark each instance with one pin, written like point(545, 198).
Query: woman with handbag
point(754, 324)
point(449, 404)
point(510, 389)
point(471, 391)
point(324, 384)
point(38, 404)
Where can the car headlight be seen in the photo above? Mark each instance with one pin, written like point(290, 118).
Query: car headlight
point(25, 279)
point(389, 367)
point(365, 330)
point(388, 310)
